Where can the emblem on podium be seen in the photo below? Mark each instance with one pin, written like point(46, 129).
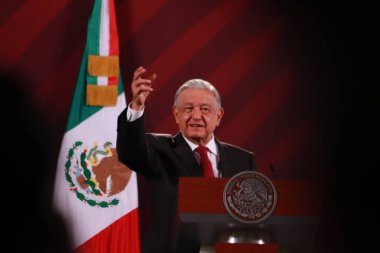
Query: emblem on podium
point(250, 197)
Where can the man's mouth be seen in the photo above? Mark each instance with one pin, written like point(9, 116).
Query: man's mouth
point(196, 125)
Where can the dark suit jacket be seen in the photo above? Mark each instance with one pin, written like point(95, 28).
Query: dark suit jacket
point(162, 159)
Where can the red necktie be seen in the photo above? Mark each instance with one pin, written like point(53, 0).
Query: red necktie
point(205, 162)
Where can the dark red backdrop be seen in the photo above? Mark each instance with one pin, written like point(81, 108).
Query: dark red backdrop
point(262, 58)
point(276, 66)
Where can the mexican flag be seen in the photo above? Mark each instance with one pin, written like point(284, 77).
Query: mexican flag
point(93, 191)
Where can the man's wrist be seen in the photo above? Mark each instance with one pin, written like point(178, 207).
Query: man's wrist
point(136, 107)
point(133, 114)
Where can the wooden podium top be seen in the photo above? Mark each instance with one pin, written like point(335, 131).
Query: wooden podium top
point(205, 196)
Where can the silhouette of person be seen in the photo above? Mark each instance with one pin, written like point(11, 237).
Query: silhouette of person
point(31, 224)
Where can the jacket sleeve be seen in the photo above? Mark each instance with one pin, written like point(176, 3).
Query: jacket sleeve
point(131, 145)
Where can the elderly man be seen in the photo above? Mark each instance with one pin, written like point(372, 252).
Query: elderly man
point(163, 158)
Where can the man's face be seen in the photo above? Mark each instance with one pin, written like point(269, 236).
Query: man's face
point(197, 115)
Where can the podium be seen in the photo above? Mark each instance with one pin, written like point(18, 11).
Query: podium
point(291, 228)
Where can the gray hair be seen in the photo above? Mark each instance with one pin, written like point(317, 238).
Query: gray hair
point(198, 84)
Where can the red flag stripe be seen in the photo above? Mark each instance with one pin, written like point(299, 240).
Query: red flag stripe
point(120, 237)
point(113, 37)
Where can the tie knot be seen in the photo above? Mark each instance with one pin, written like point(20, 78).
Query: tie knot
point(201, 150)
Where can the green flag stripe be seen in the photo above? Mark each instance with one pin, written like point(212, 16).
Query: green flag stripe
point(93, 33)
point(92, 79)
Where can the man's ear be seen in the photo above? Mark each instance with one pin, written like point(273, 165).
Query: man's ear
point(175, 113)
point(219, 116)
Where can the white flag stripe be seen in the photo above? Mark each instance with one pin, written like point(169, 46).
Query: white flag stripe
point(102, 80)
point(104, 37)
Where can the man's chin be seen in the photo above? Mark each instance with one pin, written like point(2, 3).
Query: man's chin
point(195, 137)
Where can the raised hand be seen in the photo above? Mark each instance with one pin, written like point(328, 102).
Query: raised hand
point(141, 88)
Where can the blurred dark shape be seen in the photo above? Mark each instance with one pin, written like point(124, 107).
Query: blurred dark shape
point(27, 173)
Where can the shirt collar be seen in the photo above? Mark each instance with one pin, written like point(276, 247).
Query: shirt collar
point(211, 145)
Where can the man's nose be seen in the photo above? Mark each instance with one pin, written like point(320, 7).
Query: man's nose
point(196, 113)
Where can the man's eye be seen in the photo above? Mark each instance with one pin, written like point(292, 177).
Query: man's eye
point(188, 109)
point(205, 110)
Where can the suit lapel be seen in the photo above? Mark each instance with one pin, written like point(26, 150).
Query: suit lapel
point(224, 164)
point(187, 159)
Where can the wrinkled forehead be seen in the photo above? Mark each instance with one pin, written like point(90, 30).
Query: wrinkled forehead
point(197, 96)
